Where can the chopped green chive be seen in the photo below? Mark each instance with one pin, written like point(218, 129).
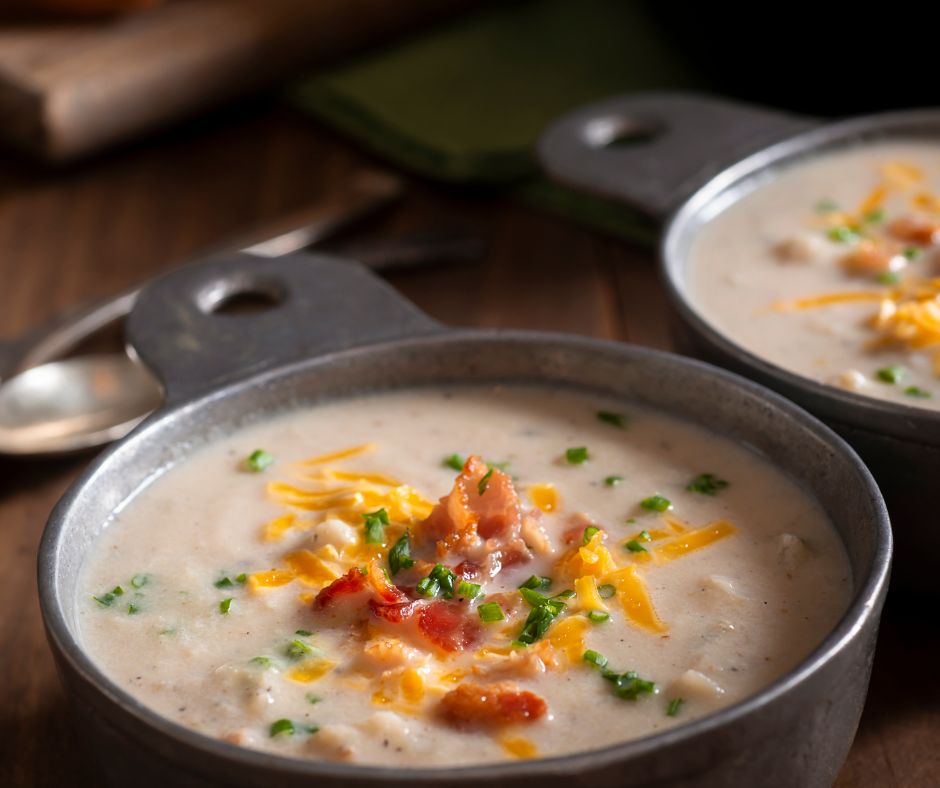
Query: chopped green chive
point(428, 587)
point(615, 419)
point(399, 557)
point(223, 583)
point(139, 581)
point(106, 600)
point(375, 526)
point(673, 708)
point(225, 605)
point(490, 612)
point(484, 482)
point(627, 686)
point(566, 594)
point(537, 583)
point(613, 481)
point(259, 460)
point(707, 484)
point(577, 456)
point(915, 391)
point(543, 612)
point(876, 216)
point(631, 521)
point(635, 547)
point(241, 578)
point(468, 590)
point(595, 659)
point(913, 253)
point(888, 277)
point(311, 698)
point(845, 235)
point(297, 649)
point(517, 644)
point(589, 534)
point(645, 536)
point(606, 591)
point(441, 579)
point(303, 633)
point(282, 726)
point(261, 660)
point(598, 616)
point(826, 206)
point(656, 503)
point(131, 609)
point(892, 374)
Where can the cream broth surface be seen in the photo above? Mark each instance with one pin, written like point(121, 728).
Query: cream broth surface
point(859, 228)
point(721, 594)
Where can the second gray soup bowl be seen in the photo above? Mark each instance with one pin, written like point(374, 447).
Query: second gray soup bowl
point(694, 155)
point(338, 331)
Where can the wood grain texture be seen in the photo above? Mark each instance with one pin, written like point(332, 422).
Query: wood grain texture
point(69, 89)
point(93, 230)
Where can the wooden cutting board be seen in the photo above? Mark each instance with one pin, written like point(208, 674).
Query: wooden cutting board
point(67, 90)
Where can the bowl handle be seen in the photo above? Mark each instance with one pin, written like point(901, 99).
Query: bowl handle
point(314, 304)
point(652, 150)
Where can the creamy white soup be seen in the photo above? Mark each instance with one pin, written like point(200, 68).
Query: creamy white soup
point(831, 271)
point(459, 576)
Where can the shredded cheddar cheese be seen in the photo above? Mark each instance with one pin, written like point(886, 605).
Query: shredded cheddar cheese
point(567, 636)
point(519, 746)
point(544, 496)
point(690, 541)
point(588, 598)
point(635, 598)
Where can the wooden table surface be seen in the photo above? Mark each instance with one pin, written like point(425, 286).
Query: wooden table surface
point(89, 231)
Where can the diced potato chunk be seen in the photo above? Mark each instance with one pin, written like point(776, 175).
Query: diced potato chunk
point(693, 685)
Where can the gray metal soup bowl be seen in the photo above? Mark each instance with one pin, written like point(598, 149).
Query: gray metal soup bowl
point(697, 156)
point(337, 332)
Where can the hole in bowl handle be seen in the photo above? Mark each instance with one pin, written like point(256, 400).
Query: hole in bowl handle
point(315, 304)
point(652, 150)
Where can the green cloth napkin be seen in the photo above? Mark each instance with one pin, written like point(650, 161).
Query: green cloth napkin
point(466, 102)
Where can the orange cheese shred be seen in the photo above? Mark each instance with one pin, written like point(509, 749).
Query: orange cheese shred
point(690, 541)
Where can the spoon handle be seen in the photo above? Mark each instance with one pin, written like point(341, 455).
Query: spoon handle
point(363, 195)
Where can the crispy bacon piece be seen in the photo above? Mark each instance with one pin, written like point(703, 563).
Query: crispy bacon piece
point(496, 513)
point(871, 257)
point(386, 600)
point(449, 626)
point(491, 705)
point(915, 231)
point(482, 528)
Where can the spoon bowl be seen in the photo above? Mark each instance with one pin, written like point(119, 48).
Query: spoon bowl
point(75, 404)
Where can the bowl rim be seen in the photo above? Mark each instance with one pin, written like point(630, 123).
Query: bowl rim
point(907, 421)
point(864, 605)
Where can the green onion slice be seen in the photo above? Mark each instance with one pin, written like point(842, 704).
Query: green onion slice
point(537, 583)
point(915, 391)
point(311, 698)
point(706, 484)
point(635, 547)
point(595, 659)
point(615, 419)
point(399, 557)
point(225, 605)
point(259, 460)
point(139, 581)
point(455, 461)
point(577, 456)
point(375, 526)
point(484, 482)
point(606, 591)
point(613, 481)
point(598, 616)
point(490, 612)
point(656, 503)
point(673, 708)
point(892, 374)
point(282, 726)
point(588, 533)
point(297, 649)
